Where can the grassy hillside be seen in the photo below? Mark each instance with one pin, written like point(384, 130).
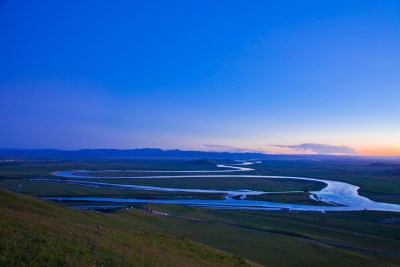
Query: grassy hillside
point(275, 238)
point(38, 233)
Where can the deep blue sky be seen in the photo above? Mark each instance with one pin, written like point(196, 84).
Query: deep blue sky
point(184, 74)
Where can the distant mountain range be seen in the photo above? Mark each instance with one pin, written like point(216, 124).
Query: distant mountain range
point(151, 153)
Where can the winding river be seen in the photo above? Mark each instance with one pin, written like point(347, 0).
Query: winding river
point(340, 196)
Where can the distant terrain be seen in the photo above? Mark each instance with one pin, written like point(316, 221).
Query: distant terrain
point(157, 153)
point(42, 232)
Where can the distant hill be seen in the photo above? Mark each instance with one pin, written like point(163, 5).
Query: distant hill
point(202, 162)
point(34, 232)
point(128, 153)
point(149, 153)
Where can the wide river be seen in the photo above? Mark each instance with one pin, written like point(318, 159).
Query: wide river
point(339, 196)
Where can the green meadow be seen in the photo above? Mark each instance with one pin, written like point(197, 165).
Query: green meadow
point(35, 232)
point(38, 233)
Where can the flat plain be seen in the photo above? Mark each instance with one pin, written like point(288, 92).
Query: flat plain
point(270, 238)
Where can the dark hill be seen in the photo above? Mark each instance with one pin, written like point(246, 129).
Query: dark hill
point(202, 162)
point(147, 153)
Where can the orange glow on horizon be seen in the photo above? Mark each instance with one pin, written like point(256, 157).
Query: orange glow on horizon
point(380, 151)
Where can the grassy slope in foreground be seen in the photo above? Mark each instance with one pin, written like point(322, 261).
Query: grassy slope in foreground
point(38, 233)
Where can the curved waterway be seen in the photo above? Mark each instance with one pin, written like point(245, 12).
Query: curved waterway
point(340, 196)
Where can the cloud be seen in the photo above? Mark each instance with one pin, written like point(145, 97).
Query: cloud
point(321, 149)
point(225, 148)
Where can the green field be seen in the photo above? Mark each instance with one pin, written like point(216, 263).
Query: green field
point(44, 168)
point(37, 233)
point(223, 183)
point(242, 231)
point(297, 198)
point(376, 181)
point(42, 233)
point(270, 238)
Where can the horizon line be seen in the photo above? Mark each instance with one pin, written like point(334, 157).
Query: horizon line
point(209, 151)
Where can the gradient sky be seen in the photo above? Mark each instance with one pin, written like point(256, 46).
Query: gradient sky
point(207, 75)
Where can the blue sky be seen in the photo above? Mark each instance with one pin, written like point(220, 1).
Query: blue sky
point(189, 74)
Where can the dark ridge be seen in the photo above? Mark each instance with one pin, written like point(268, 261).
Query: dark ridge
point(202, 162)
point(151, 153)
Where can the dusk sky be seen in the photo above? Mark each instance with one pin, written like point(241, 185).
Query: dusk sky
point(269, 76)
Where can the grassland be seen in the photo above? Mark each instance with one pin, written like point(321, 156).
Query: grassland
point(39, 188)
point(296, 197)
point(377, 181)
point(266, 237)
point(44, 233)
point(224, 183)
point(12, 178)
point(38, 233)
point(44, 168)
point(276, 235)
